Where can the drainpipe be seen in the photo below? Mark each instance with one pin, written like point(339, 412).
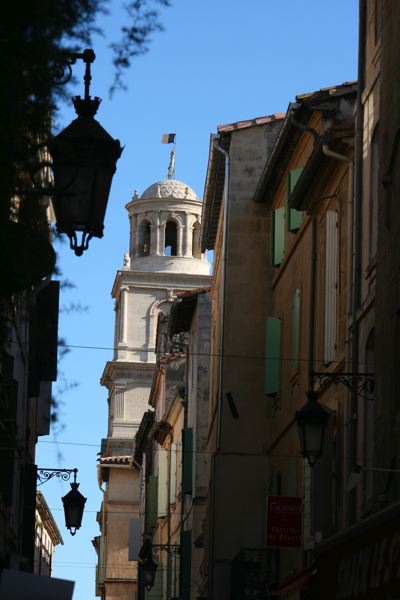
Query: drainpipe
point(220, 361)
point(169, 565)
point(358, 176)
point(185, 424)
point(311, 313)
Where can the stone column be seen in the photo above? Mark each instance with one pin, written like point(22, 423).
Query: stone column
point(188, 237)
point(119, 402)
point(123, 312)
point(179, 244)
point(156, 246)
point(161, 238)
point(136, 236)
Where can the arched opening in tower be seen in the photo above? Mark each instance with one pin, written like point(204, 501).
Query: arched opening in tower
point(171, 234)
point(144, 238)
point(196, 252)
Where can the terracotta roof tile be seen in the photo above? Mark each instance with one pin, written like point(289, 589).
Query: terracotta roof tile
point(194, 292)
point(115, 460)
point(250, 122)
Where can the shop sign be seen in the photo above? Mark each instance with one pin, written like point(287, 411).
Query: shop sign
point(284, 521)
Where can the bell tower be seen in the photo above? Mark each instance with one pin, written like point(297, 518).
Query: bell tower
point(164, 258)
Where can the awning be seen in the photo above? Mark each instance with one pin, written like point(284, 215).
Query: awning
point(291, 584)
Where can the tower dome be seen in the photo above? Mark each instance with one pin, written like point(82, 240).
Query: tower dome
point(169, 188)
point(165, 229)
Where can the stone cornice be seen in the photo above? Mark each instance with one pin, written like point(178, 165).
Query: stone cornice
point(159, 281)
point(114, 367)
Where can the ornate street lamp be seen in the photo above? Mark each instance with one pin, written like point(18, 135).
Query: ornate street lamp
point(148, 569)
point(312, 420)
point(74, 502)
point(84, 162)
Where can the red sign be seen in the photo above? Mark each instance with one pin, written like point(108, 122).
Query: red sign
point(284, 521)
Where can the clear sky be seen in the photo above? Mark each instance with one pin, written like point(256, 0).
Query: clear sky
point(218, 61)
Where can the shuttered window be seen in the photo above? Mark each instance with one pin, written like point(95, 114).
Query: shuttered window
point(278, 235)
point(272, 356)
point(172, 489)
point(162, 482)
point(187, 459)
point(295, 329)
point(186, 560)
point(151, 504)
point(295, 217)
point(331, 285)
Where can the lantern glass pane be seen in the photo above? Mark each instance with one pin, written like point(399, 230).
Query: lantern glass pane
point(313, 438)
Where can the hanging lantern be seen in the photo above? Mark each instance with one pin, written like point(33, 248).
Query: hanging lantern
point(312, 420)
point(148, 570)
point(84, 162)
point(74, 504)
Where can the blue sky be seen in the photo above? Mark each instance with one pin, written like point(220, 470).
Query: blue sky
point(218, 61)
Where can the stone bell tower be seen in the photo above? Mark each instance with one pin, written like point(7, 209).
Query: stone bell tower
point(164, 258)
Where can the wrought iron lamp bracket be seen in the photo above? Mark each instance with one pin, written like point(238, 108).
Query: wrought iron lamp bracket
point(44, 475)
point(170, 548)
point(361, 383)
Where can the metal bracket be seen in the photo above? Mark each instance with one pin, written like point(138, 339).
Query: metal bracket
point(170, 548)
point(361, 383)
point(44, 475)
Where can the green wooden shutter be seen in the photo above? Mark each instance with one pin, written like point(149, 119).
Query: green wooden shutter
point(151, 504)
point(186, 564)
point(295, 329)
point(295, 217)
point(187, 459)
point(163, 474)
point(278, 235)
point(272, 356)
point(172, 489)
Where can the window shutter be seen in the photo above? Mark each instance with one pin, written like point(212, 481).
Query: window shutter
point(295, 329)
point(134, 538)
point(187, 459)
point(186, 560)
point(172, 494)
point(331, 285)
point(151, 504)
point(162, 482)
point(295, 217)
point(278, 235)
point(272, 356)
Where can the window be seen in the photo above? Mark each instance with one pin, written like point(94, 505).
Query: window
point(295, 217)
point(272, 356)
point(331, 284)
point(295, 329)
point(374, 193)
point(278, 235)
point(170, 247)
point(144, 238)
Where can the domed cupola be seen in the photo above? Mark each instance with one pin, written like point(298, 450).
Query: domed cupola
point(165, 229)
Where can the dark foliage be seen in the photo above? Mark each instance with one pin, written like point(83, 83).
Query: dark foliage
point(36, 36)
